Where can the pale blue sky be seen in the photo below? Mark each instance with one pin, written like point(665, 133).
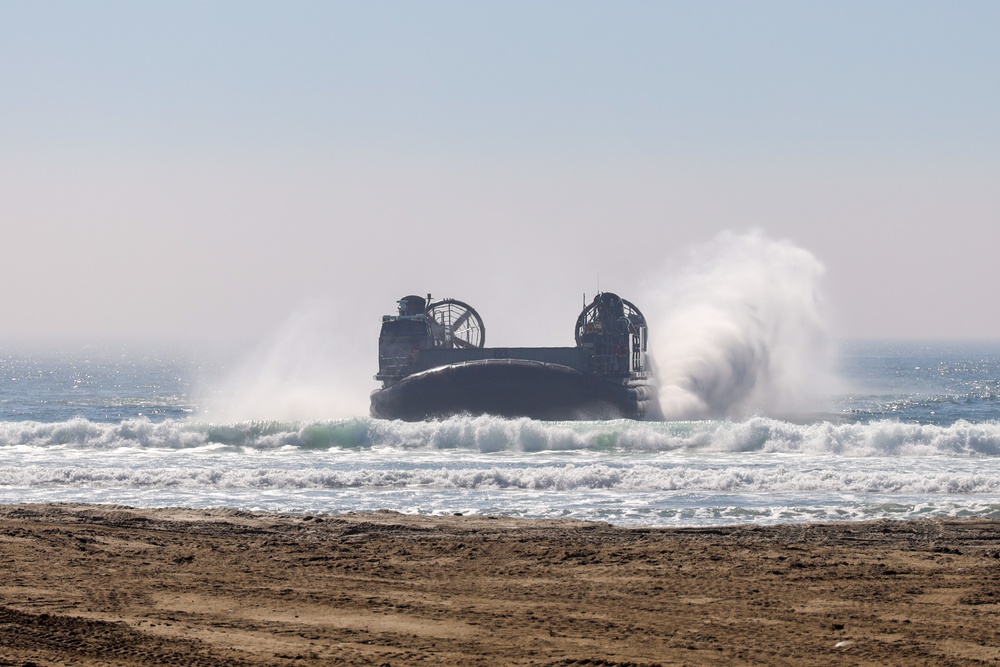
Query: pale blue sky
point(195, 169)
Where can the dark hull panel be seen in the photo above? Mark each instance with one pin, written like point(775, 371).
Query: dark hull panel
point(510, 388)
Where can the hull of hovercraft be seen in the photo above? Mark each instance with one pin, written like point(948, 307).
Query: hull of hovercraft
point(510, 388)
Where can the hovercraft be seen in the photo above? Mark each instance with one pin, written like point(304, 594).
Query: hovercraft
point(433, 363)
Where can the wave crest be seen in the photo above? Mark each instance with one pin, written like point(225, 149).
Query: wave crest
point(494, 435)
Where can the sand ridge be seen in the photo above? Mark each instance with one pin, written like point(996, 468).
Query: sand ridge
point(90, 584)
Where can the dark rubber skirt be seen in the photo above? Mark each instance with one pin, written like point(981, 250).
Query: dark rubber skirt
point(510, 388)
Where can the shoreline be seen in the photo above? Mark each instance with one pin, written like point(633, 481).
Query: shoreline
point(100, 584)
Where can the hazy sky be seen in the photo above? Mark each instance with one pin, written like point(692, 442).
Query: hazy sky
point(203, 169)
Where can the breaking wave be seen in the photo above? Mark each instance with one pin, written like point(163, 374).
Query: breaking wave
point(732, 479)
point(491, 434)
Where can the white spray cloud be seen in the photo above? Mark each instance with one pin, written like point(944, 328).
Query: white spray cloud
point(740, 330)
point(311, 368)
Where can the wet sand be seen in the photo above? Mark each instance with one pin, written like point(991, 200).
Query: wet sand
point(88, 585)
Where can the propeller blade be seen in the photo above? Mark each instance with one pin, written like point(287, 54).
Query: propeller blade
point(457, 324)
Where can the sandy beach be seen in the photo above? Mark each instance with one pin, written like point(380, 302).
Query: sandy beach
point(87, 585)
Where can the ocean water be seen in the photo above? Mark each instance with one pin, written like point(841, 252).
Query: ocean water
point(914, 433)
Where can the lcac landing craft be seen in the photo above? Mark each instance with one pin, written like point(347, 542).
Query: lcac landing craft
point(433, 363)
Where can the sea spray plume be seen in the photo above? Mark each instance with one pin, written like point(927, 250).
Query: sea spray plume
point(741, 330)
point(309, 369)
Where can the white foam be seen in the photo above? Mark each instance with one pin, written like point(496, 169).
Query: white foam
point(487, 435)
point(727, 477)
